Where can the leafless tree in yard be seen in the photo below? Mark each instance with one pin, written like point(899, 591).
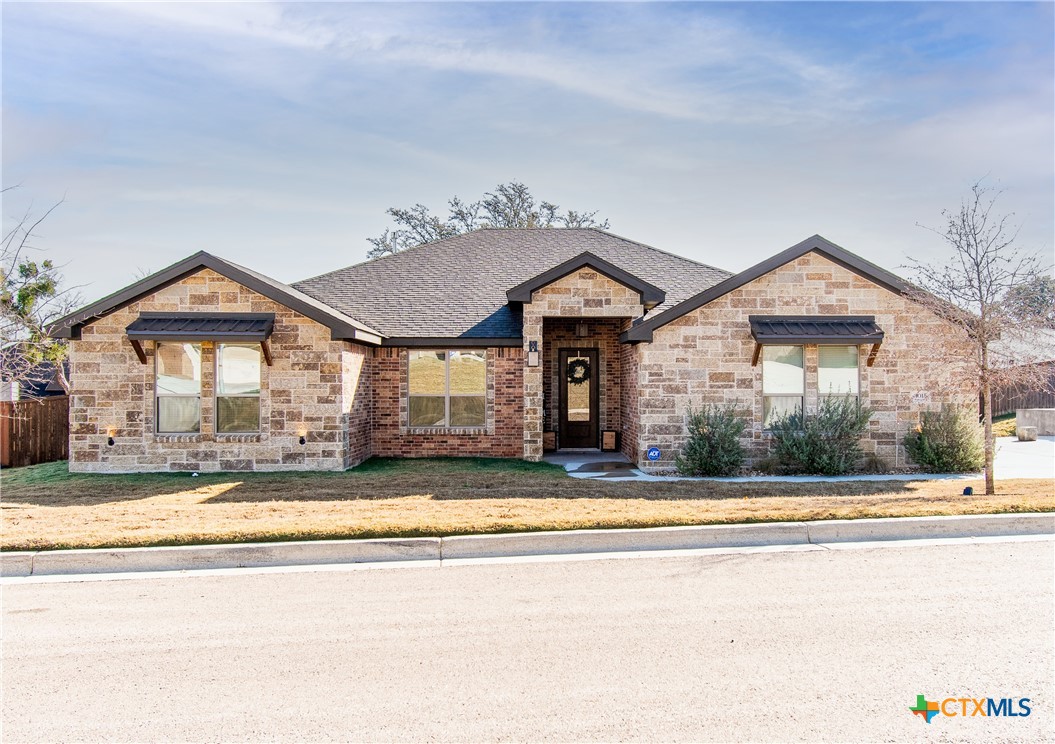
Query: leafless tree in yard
point(31, 297)
point(972, 289)
point(509, 205)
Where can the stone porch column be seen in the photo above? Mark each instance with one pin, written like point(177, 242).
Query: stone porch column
point(533, 403)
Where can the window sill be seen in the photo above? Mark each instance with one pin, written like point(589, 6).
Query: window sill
point(451, 430)
point(247, 437)
point(178, 438)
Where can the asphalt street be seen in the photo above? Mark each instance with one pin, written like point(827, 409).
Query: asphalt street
point(777, 646)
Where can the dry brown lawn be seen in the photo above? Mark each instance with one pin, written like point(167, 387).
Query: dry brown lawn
point(45, 507)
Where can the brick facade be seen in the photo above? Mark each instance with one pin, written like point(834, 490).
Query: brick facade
point(705, 357)
point(628, 400)
point(501, 436)
point(313, 386)
point(603, 335)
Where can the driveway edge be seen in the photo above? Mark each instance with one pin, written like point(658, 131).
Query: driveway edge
point(322, 552)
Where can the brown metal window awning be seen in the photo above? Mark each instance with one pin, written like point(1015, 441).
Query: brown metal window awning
point(823, 330)
point(223, 327)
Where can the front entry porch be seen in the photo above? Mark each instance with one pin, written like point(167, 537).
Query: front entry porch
point(597, 465)
point(582, 383)
point(572, 318)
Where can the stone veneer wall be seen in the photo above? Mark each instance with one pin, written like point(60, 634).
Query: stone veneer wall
point(560, 333)
point(355, 380)
point(315, 384)
point(581, 294)
point(502, 435)
point(705, 357)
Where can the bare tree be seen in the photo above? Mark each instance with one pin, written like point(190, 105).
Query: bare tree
point(31, 297)
point(509, 205)
point(972, 290)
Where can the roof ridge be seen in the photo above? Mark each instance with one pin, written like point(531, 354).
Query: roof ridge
point(607, 233)
point(625, 239)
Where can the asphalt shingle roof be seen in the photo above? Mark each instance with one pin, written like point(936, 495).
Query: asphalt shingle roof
point(456, 287)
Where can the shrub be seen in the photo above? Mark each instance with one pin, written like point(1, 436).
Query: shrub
point(827, 442)
point(946, 441)
point(713, 447)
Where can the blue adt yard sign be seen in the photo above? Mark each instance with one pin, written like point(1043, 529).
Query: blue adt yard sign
point(653, 453)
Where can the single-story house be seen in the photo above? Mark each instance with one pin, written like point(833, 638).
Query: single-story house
point(500, 343)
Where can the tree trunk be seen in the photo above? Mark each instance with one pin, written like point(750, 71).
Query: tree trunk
point(987, 421)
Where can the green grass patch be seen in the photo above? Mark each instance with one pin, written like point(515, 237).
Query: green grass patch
point(58, 473)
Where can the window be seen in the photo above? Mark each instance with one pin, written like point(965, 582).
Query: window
point(447, 388)
point(237, 388)
point(783, 382)
point(178, 388)
point(837, 372)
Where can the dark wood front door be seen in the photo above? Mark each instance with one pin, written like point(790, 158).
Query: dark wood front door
point(578, 398)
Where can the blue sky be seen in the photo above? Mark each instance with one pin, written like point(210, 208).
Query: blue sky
point(276, 135)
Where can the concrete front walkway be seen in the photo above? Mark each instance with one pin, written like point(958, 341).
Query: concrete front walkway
point(1014, 459)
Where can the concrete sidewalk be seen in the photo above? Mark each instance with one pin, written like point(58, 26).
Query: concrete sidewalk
point(1014, 459)
point(438, 549)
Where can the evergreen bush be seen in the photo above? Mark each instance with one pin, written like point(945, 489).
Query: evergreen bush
point(825, 443)
point(947, 441)
point(713, 447)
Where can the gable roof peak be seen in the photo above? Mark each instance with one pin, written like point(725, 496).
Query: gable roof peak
point(341, 325)
point(880, 276)
point(651, 295)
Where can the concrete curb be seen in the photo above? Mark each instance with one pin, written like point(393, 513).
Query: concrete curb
point(909, 528)
point(241, 555)
point(322, 552)
point(615, 541)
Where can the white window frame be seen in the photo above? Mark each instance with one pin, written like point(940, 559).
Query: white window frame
point(158, 395)
point(216, 388)
point(823, 393)
point(802, 395)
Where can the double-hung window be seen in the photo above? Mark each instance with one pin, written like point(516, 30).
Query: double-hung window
point(178, 388)
point(237, 388)
point(783, 382)
point(837, 371)
point(447, 388)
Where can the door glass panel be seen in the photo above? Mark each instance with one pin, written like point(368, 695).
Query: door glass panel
point(577, 386)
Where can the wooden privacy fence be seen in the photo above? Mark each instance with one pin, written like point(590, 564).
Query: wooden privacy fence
point(1008, 399)
point(33, 431)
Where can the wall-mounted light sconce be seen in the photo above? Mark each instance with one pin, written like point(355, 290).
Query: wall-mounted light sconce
point(303, 433)
point(582, 330)
point(110, 436)
point(533, 354)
